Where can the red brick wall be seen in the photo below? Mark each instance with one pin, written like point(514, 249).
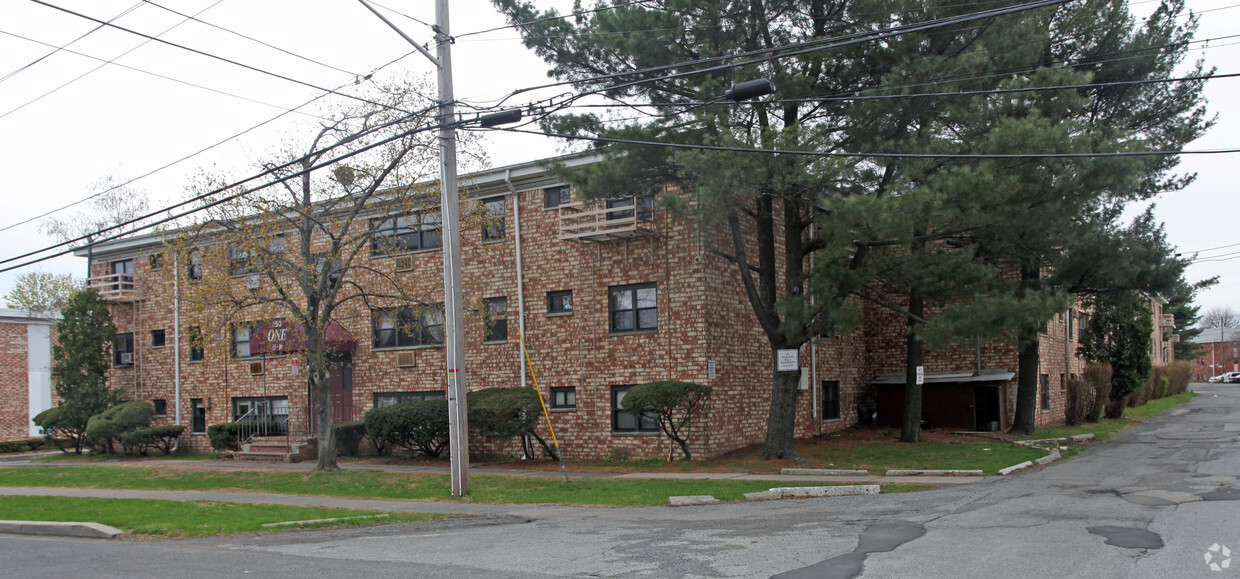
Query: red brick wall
point(14, 386)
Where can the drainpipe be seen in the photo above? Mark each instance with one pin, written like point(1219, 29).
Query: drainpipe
point(516, 221)
point(176, 336)
point(1067, 347)
point(813, 343)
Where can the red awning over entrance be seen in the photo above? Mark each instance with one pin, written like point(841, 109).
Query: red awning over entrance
point(280, 336)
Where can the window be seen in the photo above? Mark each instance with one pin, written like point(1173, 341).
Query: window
point(196, 350)
point(556, 196)
point(198, 415)
point(1063, 382)
point(1081, 324)
point(560, 302)
point(414, 231)
point(1071, 315)
point(257, 408)
point(644, 208)
point(410, 326)
point(1046, 392)
point(622, 421)
point(194, 267)
point(161, 407)
point(241, 339)
point(243, 261)
point(122, 350)
point(155, 261)
point(123, 272)
point(389, 398)
point(157, 338)
point(564, 398)
point(496, 319)
point(634, 308)
point(493, 219)
point(1042, 329)
point(830, 399)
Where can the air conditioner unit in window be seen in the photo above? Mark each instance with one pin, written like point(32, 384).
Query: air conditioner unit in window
point(126, 357)
point(253, 281)
point(404, 360)
point(256, 368)
point(404, 263)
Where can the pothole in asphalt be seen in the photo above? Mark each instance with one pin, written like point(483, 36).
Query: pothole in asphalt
point(880, 537)
point(1128, 537)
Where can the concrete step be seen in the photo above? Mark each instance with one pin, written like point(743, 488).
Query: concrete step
point(246, 456)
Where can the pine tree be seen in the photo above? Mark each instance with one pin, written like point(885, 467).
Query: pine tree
point(81, 358)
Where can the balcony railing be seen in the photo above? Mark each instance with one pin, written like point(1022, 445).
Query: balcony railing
point(616, 219)
point(122, 287)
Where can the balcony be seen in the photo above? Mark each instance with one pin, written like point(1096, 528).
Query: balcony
point(1167, 321)
point(623, 218)
point(116, 287)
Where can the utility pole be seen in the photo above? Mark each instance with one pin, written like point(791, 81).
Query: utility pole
point(454, 341)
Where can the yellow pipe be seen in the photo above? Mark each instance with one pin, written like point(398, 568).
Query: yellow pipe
point(559, 453)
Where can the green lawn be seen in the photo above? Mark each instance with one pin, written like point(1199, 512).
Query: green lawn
point(987, 456)
point(498, 489)
point(191, 518)
point(1106, 428)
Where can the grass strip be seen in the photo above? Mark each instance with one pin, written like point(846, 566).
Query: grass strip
point(192, 518)
point(489, 489)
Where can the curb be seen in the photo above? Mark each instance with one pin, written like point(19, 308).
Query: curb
point(810, 492)
point(691, 500)
point(1056, 441)
point(904, 472)
point(822, 472)
point(1015, 467)
point(63, 529)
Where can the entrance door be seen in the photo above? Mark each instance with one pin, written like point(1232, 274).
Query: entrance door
point(986, 404)
point(340, 367)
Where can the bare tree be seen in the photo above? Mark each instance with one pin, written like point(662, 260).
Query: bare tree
point(112, 202)
point(310, 248)
point(1220, 317)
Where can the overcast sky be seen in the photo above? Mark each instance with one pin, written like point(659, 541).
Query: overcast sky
point(70, 119)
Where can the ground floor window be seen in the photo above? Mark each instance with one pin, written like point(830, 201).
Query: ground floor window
point(1046, 392)
point(160, 406)
point(830, 399)
point(564, 398)
point(267, 413)
point(198, 414)
point(389, 398)
point(622, 421)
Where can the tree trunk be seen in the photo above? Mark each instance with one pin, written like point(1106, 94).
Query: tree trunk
point(781, 422)
point(910, 427)
point(320, 389)
point(1028, 365)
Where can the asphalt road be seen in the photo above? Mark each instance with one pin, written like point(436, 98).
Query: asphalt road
point(1151, 503)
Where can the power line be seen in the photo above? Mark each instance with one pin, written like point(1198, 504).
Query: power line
point(196, 153)
point(66, 45)
point(204, 196)
point(251, 39)
point(212, 56)
point(1212, 248)
point(124, 66)
point(800, 49)
point(574, 14)
point(873, 154)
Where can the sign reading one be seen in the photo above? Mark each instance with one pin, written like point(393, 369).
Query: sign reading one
point(921, 375)
point(787, 361)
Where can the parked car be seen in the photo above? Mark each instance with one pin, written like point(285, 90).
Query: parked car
point(1226, 378)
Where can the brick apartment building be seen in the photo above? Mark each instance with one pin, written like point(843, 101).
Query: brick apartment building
point(1220, 349)
point(25, 374)
point(608, 296)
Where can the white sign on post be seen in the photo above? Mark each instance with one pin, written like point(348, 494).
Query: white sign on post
point(921, 375)
point(787, 361)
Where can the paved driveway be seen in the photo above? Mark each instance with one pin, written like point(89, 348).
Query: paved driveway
point(1151, 503)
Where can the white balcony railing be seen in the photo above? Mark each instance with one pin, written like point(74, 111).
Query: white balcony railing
point(122, 287)
point(616, 219)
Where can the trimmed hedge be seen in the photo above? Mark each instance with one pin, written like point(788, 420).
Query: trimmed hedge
point(349, 437)
point(163, 438)
point(22, 445)
point(223, 436)
point(110, 426)
point(416, 425)
point(507, 413)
